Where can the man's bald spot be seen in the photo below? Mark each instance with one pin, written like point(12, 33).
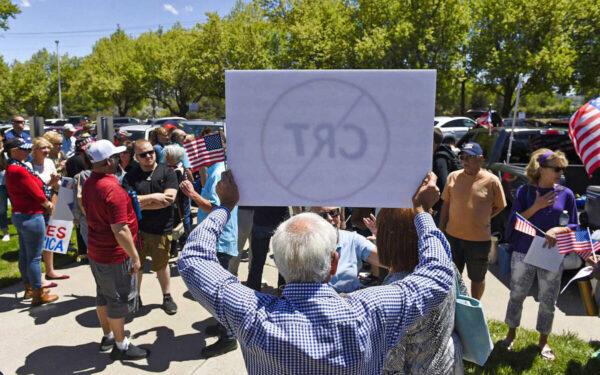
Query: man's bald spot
point(18, 119)
point(140, 143)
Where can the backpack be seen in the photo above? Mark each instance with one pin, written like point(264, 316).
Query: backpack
point(451, 158)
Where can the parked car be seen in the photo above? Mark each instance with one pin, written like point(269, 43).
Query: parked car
point(196, 127)
point(122, 121)
point(55, 122)
point(162, 120)
point(453, 127)
point(136, 132)
point(526, 140)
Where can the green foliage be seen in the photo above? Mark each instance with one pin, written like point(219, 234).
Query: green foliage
point(7, 10)
point(584, 24)
point(512, 37)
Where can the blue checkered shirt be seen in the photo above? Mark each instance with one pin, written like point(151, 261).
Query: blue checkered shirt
point(311, 329)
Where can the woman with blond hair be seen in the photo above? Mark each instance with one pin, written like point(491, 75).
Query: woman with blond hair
point(56, 155)
point(429, 345)
point(44, 167)
point(541, 201)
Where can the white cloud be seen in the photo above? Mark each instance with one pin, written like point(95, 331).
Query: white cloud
point(189, 8)
point(25, 3)
point(169, 8)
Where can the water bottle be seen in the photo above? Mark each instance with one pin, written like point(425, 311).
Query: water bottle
point(563, 220)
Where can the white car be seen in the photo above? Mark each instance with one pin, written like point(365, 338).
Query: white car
point(453, 127)
point(135, 132)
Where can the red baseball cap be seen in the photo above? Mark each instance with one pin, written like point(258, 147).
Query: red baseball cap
point(169, 126)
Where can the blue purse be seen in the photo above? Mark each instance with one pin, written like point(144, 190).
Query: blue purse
point(470, 323)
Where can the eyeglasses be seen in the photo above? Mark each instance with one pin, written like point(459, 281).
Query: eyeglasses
point(556, 169)
point(333, 213)
point(146, 154)
point(18, 122)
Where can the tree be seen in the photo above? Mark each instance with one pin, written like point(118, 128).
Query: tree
point(30, 84)
point(513, 37)
point(7, 10)
point(584, 25)
point(5, 89)
point(112, 75)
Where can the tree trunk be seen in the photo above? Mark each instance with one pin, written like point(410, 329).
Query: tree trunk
point(463, 88)
point(507, 95)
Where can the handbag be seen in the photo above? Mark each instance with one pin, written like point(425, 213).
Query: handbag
point(470, 323)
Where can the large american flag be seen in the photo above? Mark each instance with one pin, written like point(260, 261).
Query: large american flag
point(205, 151)
point(578, 241)
point(584, 130)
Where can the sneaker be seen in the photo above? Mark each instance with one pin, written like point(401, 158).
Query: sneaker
point(245, 256)
point(215, 330)
point(222, 346)
point(6, 237)
point(168, 305)
point(106, 344)
point(131, 354)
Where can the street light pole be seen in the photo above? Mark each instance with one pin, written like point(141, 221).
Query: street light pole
point(60, 112)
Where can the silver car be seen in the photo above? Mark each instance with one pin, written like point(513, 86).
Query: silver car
point(453, 127)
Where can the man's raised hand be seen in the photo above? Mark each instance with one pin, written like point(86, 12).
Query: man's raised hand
point(227, 191)
point(427, 194)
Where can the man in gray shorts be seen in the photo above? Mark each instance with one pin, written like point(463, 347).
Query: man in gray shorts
point(113, 257)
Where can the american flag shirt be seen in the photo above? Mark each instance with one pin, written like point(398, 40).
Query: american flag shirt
point(311, 329)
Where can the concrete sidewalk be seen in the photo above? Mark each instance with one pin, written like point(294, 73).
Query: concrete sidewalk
point(62, 337)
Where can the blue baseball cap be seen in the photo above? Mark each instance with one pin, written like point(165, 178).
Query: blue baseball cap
point(472, 148)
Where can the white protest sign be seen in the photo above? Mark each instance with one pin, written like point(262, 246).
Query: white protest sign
point(358, 138)
point(60, 225)
point(58, 235)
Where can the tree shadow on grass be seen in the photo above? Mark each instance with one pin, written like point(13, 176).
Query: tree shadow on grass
point(79, 359)
point(10, 256)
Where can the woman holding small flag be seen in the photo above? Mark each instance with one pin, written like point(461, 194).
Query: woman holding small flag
point(536, 210)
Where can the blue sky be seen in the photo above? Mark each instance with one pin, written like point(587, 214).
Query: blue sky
point(77, 24)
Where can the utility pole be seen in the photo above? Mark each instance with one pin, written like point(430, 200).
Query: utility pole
point(60, 112)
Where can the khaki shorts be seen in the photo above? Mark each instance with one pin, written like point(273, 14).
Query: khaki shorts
point(157, 247)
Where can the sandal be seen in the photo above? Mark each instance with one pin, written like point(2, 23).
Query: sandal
point(60, 277)
point(50, 285)
point(547, 354)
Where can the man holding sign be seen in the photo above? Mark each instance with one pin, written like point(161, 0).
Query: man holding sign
point(113, 257)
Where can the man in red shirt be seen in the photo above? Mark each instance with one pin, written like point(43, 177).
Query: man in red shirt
point(113, 257)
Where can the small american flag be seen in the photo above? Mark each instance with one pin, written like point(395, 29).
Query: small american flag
point(485, 120)
point(523, 225)
point(205, 151)
point(578, 241)
point(584, 131)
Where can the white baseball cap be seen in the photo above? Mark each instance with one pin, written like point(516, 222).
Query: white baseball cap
point(69, 127)
point(103, 149)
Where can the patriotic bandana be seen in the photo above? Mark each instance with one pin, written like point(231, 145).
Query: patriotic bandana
point(47, 190)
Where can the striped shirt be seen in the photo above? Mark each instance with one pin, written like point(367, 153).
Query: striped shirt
point(311, 329)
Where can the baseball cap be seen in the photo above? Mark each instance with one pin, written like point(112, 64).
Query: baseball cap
point(69, 127)
point(17, 143)
point(170, 126)
point(82, 142)
point(102, 150)
point(471, 148)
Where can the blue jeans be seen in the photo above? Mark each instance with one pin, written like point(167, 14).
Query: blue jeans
point(3, 208)
point(31, 230)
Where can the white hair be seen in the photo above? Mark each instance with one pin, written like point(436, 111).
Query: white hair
point(174, 152)
point(302, 247)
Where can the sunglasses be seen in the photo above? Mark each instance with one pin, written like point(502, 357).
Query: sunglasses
point(556, 169)
point(146, 154)
point(332, 213)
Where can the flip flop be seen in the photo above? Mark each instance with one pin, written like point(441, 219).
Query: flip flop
point(547, 354)
point(50, 285)
point(61, 277)
point(507, 344)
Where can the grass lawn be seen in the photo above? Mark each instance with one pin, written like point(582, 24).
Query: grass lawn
point(9, 258)
point(572, 355)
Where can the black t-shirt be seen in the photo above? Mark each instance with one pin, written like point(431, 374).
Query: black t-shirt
point(75, 164)
point(157, 181)
point(270, 216)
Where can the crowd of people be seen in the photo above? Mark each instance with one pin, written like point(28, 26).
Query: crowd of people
point(132, 201)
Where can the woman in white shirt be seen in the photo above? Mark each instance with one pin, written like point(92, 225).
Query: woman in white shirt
point(45, 168)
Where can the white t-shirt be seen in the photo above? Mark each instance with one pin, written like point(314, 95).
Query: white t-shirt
point(44, 171)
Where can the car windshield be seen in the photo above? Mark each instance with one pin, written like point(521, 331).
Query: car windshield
point(136, 134)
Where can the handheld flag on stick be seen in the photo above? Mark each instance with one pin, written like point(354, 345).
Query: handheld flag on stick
point(205, 151)
point(579, 241)
point(524, 226)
